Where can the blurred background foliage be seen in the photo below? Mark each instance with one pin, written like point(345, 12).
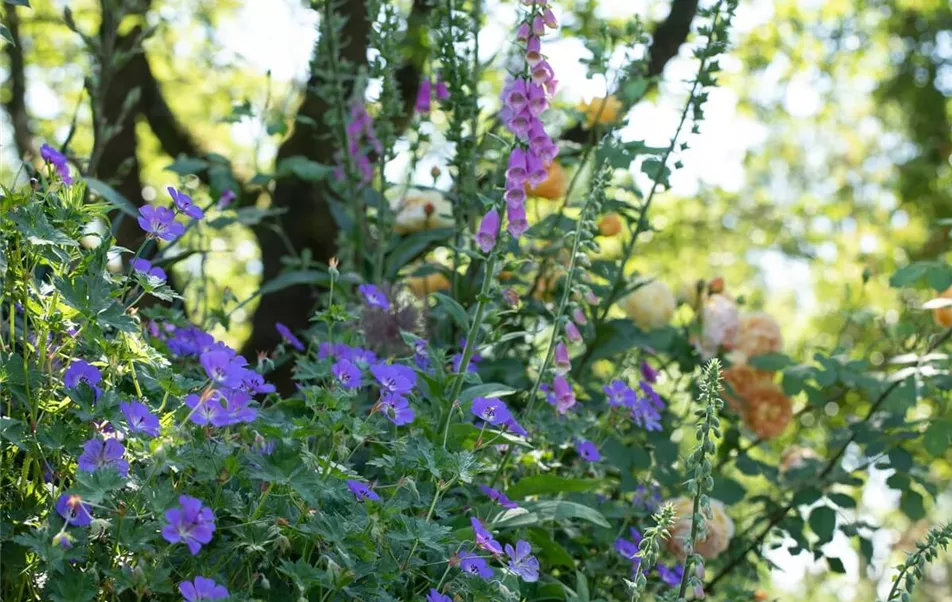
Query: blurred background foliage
point(822, 167)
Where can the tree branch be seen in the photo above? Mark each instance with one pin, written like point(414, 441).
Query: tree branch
point(16, 104)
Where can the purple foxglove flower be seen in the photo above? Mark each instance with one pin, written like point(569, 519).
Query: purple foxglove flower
point(191, 523)
point(578, 316)
point(184, 203)
point(537, 100)
point(143, 266)
point(488, 230)
point(538, 141)
point(99, 454)
point(522, 33)
point(347, 374)
point(517, 171)
point(73, 510)
point(424, 93)
point(628, 549)
point(498, 497)
point(519, 124)
point(572, 333)
point(522, 562)
point(440, 90)
point(254, 384)
point(205, 410)
point(534, 51)
point(362, 491)
point(139, 418)
point(650, 374)
point(201, 589)
point(671, 576)
point(288, 336)
point(58, 160)
point(517, 96)
point(590, 298)
point(159, 222)
point(587, 450)
point(474, 565)
point(227, 198)
point(511, 297)
point(484, 539)
point(237, 409)
point(538, 26)
point(564, 397)
point(619, 394)
point(436, 596)
point(374, 296)
point(491, 411)
point(397, 409)
point(222, 367)
point(548, 152)
point(562, 362)
point(549, 18)
point(394, 379)
point(542, 72)
point(515, 194)
point(537, 171)
point(83, 372)
point(518, 223)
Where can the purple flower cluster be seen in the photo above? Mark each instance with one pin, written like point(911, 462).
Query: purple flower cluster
point(340, 351)
point(221, 407)
point(57, 160)
point(83, 372)
point(428, 90)
point(645, 409)
point(395, 382)
point(374, 296)
point(98, 454)
point(144, 267)
point(202, 588)
point(498, 497)
point(524, 99)
point(360, 134)
point(192, 523)
point(474, 565)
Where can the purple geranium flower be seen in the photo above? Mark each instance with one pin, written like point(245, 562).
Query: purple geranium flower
point(374, 296)
point(647, 497)
point(202, 588)
point(491, 411)
point(650, 374)
point(58, 160)
point(223, 367)
point(73, 510)
point(255, 384)
point(362, 491)
point(474, 565)
point(82, 372)
point(103, 454)
point(394, 379)
point(671, 576)
point(498, 497)
point(205, 409)
point(627, 548)
point(159, 222)
point(587, 450)
point(226, 198)
point(139, 419)
point(645, 411)
point(436, 596)
point(515, 427)
point(484, 539)
point(191, 523)
point(522, 562)
point(421, 356)
point(189, 341)
point(288, 336)
point(237, 409)
point(184, 204)
point(347, 374)
point(142, 265)
point(397, 409)
point(619, 394)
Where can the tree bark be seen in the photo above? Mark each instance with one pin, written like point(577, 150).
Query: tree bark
point(16, 104)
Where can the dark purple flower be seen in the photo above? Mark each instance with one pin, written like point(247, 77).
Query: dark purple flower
point(223, 367)
point(288, 336)
point(491, 411)
point(514, 427)
point(82, 372)
point(671, 576)
point(237, 409)
point(191, 523)
point(58, 160)
point(202, 588)
point(498, 497)
point(627, 548)
point(588, 451)
point(619, 394)
point(474, 565)
point(488, 231)
point(159, 222)
point(184, 204)
point(650, 374)
point(73, 510)
point(522, 562)
point(63, 539)
point(141, 265)
point(424, 93)
point(562, 362)
point(635, 535)
point(436, 596)
point(226, 198)
point(103, 454)
point(397, 409)
point(394, 379)
point(262, 446)
point(205, 409)
point(362, 491)
point(255, 384)
point(374, 296)
point(347, 374)
point(484, 539)
point(139, 419)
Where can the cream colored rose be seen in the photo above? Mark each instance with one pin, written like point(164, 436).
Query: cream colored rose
point(720, 529)
point(758, 334)
point(650, 306)
point(421, 210)
point(721, 321)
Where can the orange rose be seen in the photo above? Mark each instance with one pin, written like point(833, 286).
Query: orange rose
point(601, 110)
point(720, 529)
point(769, 410)
point(943, 315)
point(554, 186)
point(758, 334)
point(742, 378)
point(421, 286)
point(610, 225)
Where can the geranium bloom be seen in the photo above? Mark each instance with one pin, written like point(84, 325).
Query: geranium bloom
point(205, 410)
point(619, 394)
point(58, 160)
point(522, 562)
point(202, 588)
point(226, 198)
point(83, 372)
point(223, 367)
point(491, 411)
point(103, 454)
point(474, 565)
point(484, 539)
point(498, 497)
point(346, 373)
point(671, 576)
point(73, 510)
point(255, 384)
point(374, 296)
point(288, 336)
point(191, 523)
point(646, 410)
point(143, 266)
point(627, 548)
point(362, 491)
point(436, 596)
point(184, 204)
point(588, 451)
point(159, 222)
point(397, 409)
point(139, 419)
point(237, 409)
point(394, 379)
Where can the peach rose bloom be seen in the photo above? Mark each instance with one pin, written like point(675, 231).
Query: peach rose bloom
point(609, 225)
point(721, 321)
point(421, 210)
point(601, 110)
point(421, 286)
point(943, 315)
point(768, 411)
point(651, 305)
point(720, 529)
point(742, 378)
point(758, 334)
point(554, 186)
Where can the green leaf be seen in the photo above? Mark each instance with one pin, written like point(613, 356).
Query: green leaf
point(907, 275)
point(454, 309)
point(616, 337)
point(773, 362)
point(6, 35)
point(18, 2)
point(936, 439)
point(581, 587)
point(823, 522)
point(412, 246)
point(544, 484)
point(549, 550)
point(912, 505)
point(558, 510)
point(486, 390)
point(304, 169)
point(836, 565)
point(842, 500)
point(112, 196)
point(939, 276)
point(728, 490)
point(73, 586)
point(185, 166)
